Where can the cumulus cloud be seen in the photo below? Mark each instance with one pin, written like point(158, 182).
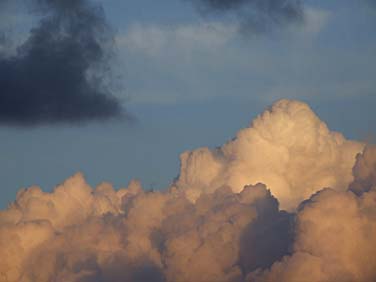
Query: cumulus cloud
point(58, 74)
point(206, 227)
point(335, 238)
point(81, 234)
point(287, 147)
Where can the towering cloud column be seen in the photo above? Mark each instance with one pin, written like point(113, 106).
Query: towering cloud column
point(288, 148)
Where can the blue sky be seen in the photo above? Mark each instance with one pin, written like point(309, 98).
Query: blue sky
point(192, 80)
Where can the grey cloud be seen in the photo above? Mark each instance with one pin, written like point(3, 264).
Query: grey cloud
point(256, 15)
point(58, 73)
point(364, 171)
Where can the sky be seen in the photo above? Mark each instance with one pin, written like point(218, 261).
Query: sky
point(189, 79)
point(187, 140)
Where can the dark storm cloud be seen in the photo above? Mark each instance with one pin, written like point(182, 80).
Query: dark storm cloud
point(54, 76)
point(256, 15)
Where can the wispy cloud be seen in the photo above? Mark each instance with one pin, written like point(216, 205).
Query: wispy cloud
point(156, 39)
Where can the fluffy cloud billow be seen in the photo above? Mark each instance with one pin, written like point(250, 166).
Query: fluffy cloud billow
point(287, 147)
point(285, 200)
point(336, 234)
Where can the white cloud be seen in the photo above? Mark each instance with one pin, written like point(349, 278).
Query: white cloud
point(287, 147)
point(156, 39)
